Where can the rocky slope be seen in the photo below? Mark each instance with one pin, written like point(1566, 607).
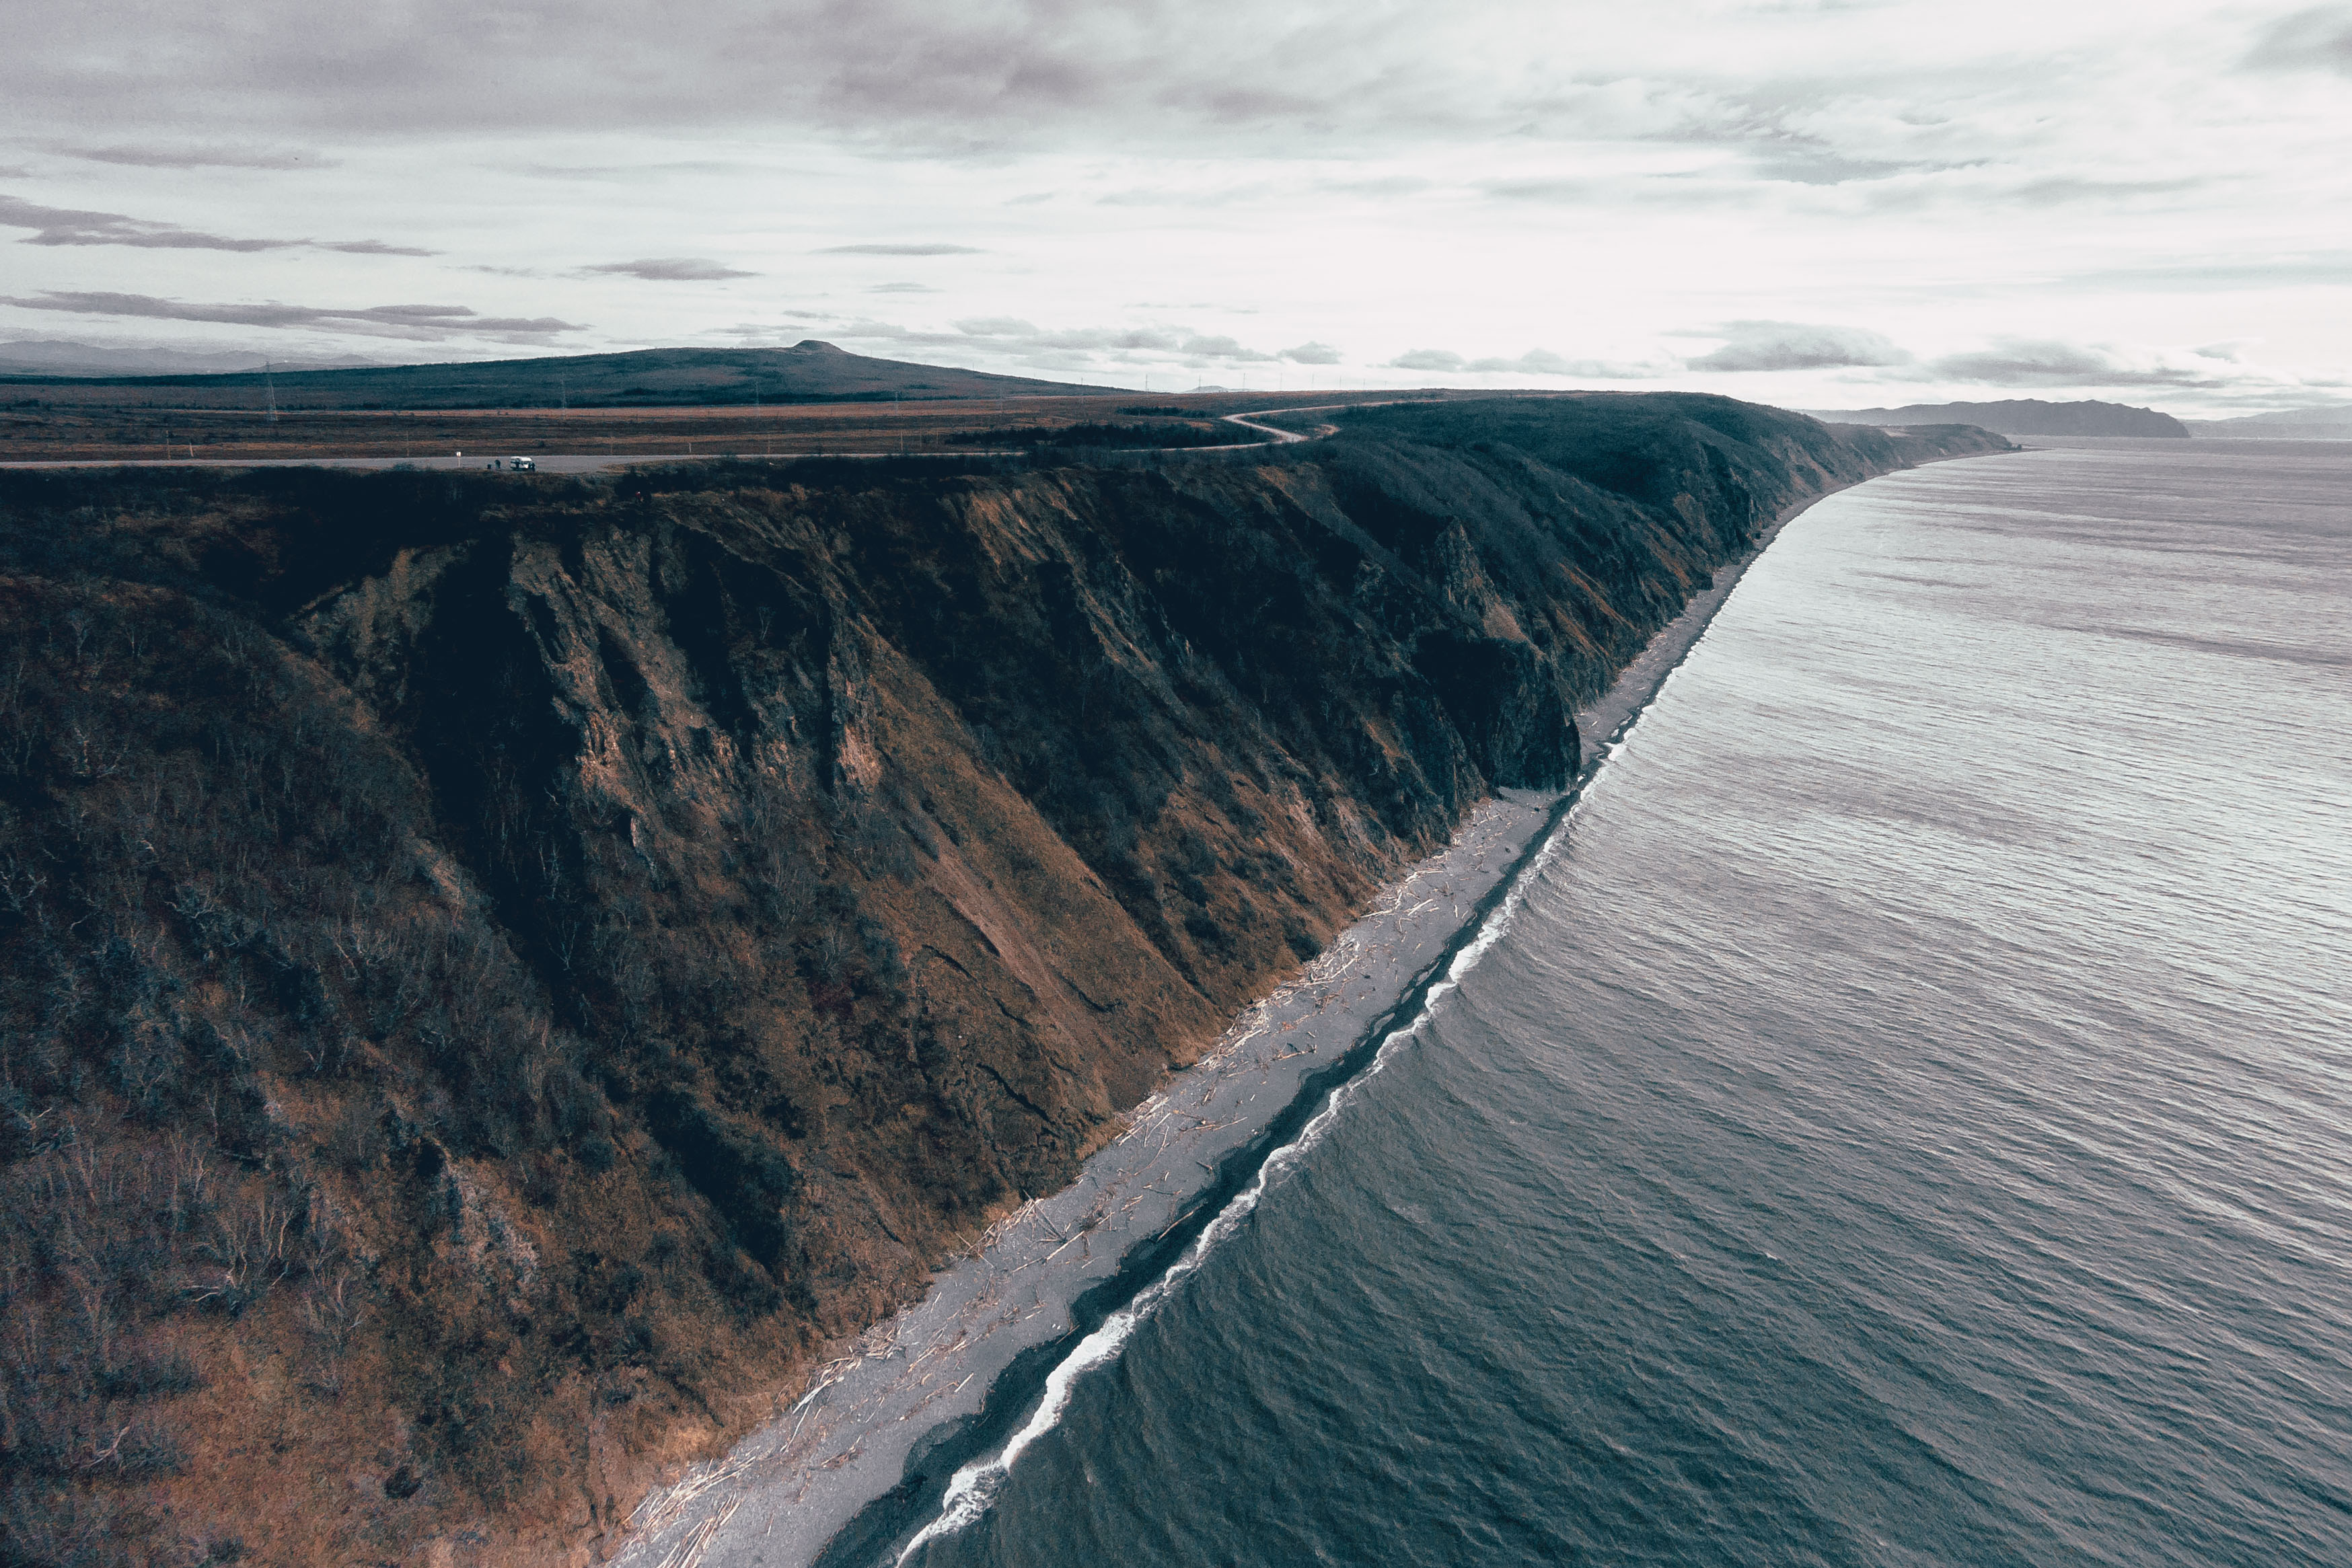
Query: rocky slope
point(496, 973)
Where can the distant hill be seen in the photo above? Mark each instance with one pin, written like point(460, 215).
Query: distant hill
point(2019, 417)
point(58, 357)
point(2328, 423)
point(806, 373)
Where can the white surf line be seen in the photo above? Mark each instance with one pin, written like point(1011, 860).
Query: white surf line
point(973, 1489)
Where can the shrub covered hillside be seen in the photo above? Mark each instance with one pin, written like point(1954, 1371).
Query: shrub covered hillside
point(496, 972)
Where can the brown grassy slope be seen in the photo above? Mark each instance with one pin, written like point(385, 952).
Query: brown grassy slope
point(492, 977)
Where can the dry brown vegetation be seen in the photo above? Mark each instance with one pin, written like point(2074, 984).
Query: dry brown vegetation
point(494, 978)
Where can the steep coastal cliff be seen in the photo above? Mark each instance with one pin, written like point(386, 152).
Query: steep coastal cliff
point(496, 973)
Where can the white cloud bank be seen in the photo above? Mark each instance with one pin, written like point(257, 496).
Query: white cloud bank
point(1854, 195)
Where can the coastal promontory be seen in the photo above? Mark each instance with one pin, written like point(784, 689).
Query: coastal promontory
point(500, 972)
point(2021, 416)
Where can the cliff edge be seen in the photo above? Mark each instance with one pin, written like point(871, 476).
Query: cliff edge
point(497, 972)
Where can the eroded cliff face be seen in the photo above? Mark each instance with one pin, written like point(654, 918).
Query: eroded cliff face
point(498, 974)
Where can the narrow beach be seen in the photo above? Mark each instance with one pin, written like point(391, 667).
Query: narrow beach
point(917, 1387)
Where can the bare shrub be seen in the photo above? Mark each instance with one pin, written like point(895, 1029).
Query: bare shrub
point(334, 1312)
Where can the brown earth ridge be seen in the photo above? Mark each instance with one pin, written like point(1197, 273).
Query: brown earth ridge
point(497, 974)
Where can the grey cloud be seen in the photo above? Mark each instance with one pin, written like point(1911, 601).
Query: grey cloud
point(1386, 187)
point(1544, 363)
point(1010, 333)
point(198, 157)
point(637, 172)
point(1308, 77)
point(1823, 166)
point(671, 269)
point(1795, 346)
point(2022, 362)
point(68, 225)
point(1712, 191)
point(1534, 363)
point(1977, 189)
point(393, 320)
point(775, 334)
point(1311, 353)
point(371, 247)
point(889, 72)
point(1014, 336)
point(2223, 272)
point(899, 250)
point(1546, 190)
point(2317, 39)
point(1495, 364)
point(902, 288)
point(73, 226)
point(1200, 348)
point(2060, 190)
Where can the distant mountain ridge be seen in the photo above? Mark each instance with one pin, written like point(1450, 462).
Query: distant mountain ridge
point(2327, 422)
point(2019, 417)
point(808, 371)
point(59, 357)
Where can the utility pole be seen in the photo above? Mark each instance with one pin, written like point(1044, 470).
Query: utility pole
point(270, 383)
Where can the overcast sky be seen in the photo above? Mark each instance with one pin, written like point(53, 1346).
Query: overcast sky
point(1814, 203)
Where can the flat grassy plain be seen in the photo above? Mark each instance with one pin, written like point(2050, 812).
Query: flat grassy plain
point(54, 423)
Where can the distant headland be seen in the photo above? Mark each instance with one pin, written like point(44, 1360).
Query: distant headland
point(2019, 417)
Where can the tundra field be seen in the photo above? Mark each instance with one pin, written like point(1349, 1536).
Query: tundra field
point(53, 429)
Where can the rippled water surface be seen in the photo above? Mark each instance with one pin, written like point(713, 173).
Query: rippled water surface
point(1908, 1120)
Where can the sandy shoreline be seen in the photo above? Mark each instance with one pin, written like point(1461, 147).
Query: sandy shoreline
point(918, 1388)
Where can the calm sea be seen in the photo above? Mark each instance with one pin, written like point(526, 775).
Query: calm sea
point(1907, 1121)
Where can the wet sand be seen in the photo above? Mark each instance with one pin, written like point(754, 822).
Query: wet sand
point(917, 1387)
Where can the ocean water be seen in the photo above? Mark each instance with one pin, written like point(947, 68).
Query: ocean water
point(1906, 1119)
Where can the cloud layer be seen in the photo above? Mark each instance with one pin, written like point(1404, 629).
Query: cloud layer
point(1751, 346)
point(1790, 200)
point(66, 226)
point(670, 269)
point(424, 322)
point(2029, 363)
point(195, 156)
point(901, 250)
